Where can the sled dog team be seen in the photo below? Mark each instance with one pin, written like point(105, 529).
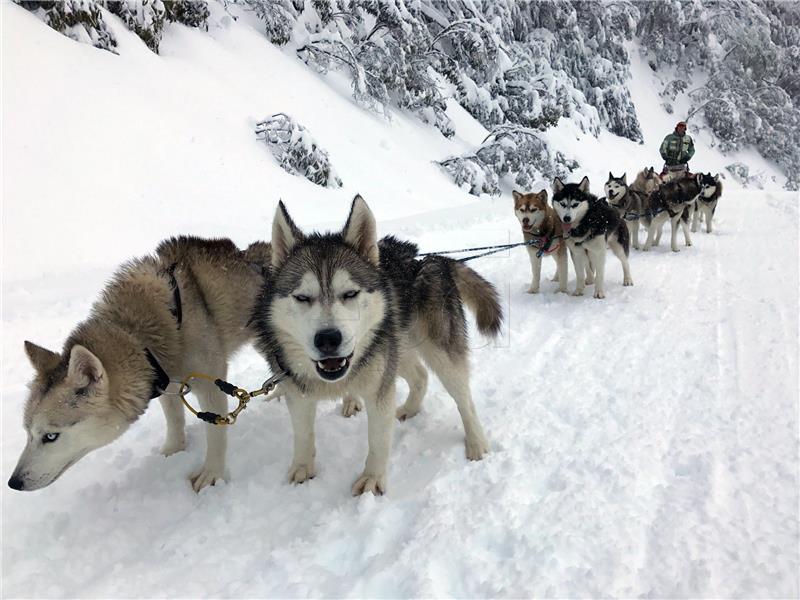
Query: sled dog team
point(341, 314)
point(587, 225)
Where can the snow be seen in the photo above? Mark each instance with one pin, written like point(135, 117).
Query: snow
point(644, 445)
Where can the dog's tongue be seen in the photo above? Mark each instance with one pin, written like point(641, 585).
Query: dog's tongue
point(566, 227)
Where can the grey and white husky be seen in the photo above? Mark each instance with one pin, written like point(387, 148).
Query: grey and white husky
point(590, 225)
point(344, 314)
point(184, 309)
point(630, 200)
point(706, 203)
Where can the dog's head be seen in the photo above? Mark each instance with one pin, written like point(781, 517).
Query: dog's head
point(327, 300)
point(69, 413)
point(531, 209)
point(571, 202)
point(647, 180)
point(616, 187)
point(709, 185)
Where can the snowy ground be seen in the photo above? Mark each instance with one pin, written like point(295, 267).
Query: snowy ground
point(645, 445)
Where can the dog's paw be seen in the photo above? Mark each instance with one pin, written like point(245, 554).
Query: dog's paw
point(171, 447)
point(351, 406)
point(590, 281)
point(646, 247)
point(369, 483)
point(689, 243)
point(207, 476)
point(577, 293)
point(301, 473)
point(627, 281)
point(562, 291)
point(554, 277)
point(476, 448)
point(676, 249)
point(599, 294)
point(404, 413)
point(533, 290)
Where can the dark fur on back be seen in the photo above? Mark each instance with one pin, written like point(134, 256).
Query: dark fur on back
point(600, 219)
point(673, 196)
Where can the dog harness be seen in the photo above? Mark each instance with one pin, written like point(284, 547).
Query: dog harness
point(161, 381)
point(546, 245)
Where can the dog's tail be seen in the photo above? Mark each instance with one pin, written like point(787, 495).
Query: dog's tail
point(259, 255)
point(481, 297)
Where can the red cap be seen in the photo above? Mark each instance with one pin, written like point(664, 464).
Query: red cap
point(681, 124)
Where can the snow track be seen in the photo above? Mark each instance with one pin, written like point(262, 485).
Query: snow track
point(643, 445)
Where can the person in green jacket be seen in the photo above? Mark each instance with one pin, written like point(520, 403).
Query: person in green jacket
point(677, 149)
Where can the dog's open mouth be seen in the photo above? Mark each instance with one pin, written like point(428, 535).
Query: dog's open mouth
point(333, 368)
point(527, 228)
point(612, 194)
point(566, 227)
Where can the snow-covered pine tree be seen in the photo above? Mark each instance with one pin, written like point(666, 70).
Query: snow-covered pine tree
point(296, 150)
point(81, 20)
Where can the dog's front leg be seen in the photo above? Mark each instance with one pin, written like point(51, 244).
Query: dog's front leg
point(655, 227)
point(709, 216)
point(674, 221)
point(696, 219)
point(176, 422)
point(597, 257)
point(686, 237)
point(536, 271)
point(303, 413)
point(380, 422)
point(633, 229)
point(562, 268)
point(581, 264)
point(212, 400)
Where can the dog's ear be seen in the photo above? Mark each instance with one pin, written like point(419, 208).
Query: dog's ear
point(584, 185)
point(716, 178)
point(558, 185)
point(517, 195)
point(699, 179)
point(543, 196)
point(285, 235)
point(84, 367)
point(610, 176)
point(625, 178)
point(43, 360)
point(360, 231)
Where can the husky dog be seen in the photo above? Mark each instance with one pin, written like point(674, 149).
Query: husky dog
point(541, 226)
point(590, 225)
point(342, 315)
point(706, 203)
point(672, 201)
point(629, 203)
point(184, 309)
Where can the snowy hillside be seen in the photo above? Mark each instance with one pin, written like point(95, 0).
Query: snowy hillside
point(644, 445)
